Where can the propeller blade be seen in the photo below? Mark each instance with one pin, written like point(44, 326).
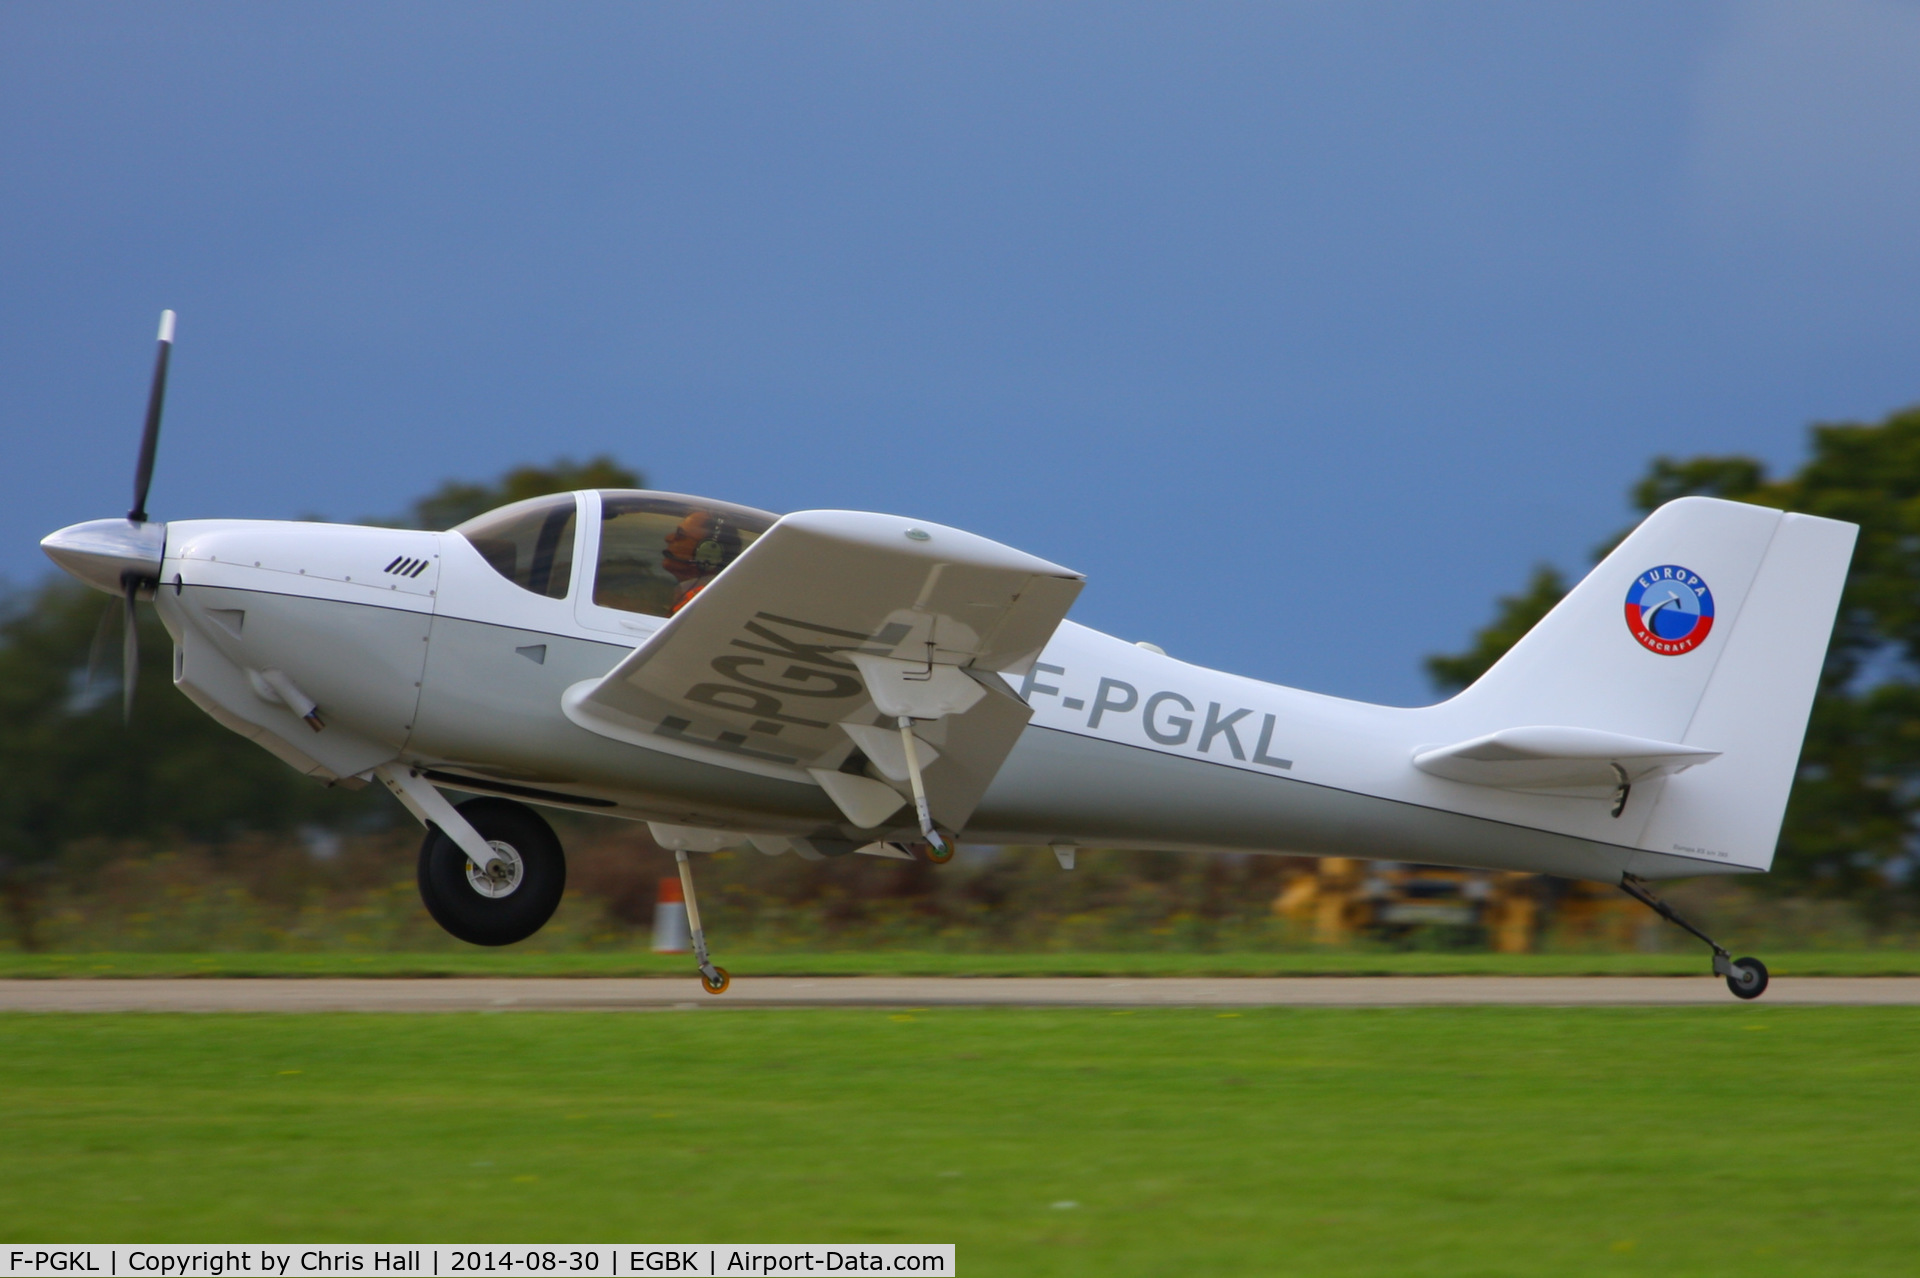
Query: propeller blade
point(97, 650)
point(150, 436)
point(129, 652)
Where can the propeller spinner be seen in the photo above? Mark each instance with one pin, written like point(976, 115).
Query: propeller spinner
point(122, 556)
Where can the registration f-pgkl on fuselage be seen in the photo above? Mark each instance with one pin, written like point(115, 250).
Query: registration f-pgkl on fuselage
point(837, 682)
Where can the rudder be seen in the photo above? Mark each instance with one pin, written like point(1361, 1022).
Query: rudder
point(1757, 702)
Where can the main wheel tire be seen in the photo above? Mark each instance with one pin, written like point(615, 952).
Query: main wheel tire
point(1748, 978)
point(505, 909)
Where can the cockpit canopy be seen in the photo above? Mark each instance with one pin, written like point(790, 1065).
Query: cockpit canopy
point(530, 543)
point(655, 551)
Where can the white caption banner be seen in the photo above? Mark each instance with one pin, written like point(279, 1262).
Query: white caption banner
point(457, 1260)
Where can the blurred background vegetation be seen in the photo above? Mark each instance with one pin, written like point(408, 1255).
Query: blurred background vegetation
point(171, 834)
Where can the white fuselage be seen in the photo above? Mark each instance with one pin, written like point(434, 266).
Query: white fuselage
point(407, 646)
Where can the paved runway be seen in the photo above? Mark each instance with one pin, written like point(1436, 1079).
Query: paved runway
point(483, 994)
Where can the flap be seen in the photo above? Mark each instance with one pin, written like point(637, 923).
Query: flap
point(759, 671)
point(1547, 758)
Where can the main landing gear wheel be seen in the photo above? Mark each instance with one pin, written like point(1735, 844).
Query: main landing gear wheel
point(510, 898)
point(718, 982)
point(1748, 979)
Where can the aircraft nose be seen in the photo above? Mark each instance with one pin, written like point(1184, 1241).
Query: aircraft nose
point(105, 553)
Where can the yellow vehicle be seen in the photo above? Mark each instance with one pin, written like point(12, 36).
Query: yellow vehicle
point(1343, 899)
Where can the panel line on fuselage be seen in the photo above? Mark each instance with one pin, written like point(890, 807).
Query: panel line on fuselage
point(371, 602)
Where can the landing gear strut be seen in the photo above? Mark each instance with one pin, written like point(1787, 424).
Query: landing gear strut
point(714, 980)
point(1746, 977)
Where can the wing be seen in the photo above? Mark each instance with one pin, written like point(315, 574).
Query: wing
point(797, 661)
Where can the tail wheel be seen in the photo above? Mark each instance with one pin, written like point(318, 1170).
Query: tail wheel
point(717, 984)
point(511, 898)
point(1748, 978)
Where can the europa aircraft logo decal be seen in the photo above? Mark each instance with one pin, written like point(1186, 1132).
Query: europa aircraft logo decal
point(1670, 610)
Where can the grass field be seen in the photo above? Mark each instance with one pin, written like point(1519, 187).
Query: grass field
point(1741, 1140)
point(882, 962)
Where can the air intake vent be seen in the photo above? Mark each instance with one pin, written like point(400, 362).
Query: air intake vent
point(402, 566)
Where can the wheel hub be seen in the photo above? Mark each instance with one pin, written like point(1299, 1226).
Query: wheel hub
point(500, 876)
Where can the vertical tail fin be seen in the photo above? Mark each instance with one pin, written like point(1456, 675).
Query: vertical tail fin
point(1707, 626)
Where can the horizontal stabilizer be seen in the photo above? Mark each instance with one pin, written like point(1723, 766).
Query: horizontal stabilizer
point(1546, 758)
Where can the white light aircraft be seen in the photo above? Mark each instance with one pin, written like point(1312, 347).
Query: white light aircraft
point(832, 682)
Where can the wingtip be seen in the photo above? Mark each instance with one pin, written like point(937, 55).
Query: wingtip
point(166, 326)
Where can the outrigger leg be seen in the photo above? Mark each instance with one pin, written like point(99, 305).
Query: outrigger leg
point(712, 979)
point(939, 851)
point(1746, 977)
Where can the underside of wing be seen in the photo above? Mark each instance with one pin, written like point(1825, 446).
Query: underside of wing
point(802, 658)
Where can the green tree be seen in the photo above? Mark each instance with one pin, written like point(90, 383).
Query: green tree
point(457, 500)
point(1853, 821)
point(70, 770)
point(1734, 478)
point(1513, 616)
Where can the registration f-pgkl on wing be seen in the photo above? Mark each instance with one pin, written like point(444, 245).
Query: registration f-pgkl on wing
point(836, 682)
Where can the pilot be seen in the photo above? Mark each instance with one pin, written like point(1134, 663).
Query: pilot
point(696, 550)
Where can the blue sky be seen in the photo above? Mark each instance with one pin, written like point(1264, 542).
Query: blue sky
point(1302, 329)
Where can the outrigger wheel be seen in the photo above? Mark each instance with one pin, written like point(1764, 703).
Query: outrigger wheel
point(1746, 977)
point(938, 853)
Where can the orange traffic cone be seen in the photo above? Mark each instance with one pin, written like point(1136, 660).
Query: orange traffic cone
point(670, 919)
